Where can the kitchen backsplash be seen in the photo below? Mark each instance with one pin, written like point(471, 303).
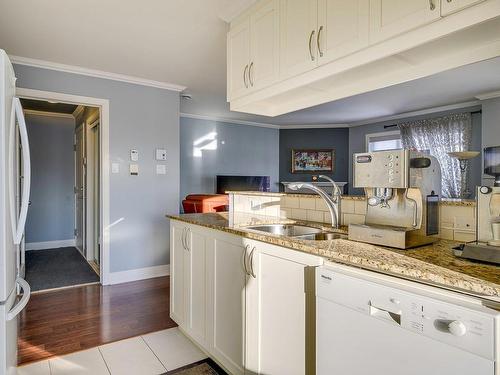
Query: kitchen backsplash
point(457, 217)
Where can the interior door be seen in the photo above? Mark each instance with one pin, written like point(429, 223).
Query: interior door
point(238, 59)
point(343, 28)
point(80, 188)
point(264, 45)
point(297, 25)
point(392, 17)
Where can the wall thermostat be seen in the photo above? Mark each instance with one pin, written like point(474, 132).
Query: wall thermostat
point(134, 155)
point(161, 154)
point(134, 169)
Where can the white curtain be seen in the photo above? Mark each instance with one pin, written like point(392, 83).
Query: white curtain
point(438, 136)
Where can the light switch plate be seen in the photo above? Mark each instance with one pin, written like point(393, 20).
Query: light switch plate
point(161, 169)
point(161, 154)
point(134, 155)
point(115, 168)
point(134, 169)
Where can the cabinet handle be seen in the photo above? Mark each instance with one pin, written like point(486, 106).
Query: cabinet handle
point(310, 44)
point(183, 238)
point(250, 74)
point(432, 5)
point(449, 1)
point(318, 41)
point(245, 76)
point(252, 273)
point(188, 231)
point(245, 260)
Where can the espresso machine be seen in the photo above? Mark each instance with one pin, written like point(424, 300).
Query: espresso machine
point(402, 190)
point(487, 245)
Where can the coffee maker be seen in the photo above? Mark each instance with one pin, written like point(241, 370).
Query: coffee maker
point(487, 245)
point(402, 190)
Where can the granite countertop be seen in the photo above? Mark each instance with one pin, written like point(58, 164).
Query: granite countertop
point(432, 264)
point(443, 201)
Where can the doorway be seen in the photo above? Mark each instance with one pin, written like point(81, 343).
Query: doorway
point(61, 181)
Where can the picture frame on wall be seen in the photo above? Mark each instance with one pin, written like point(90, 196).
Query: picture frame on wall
point(313, 160)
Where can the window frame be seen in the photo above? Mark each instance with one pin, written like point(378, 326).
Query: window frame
point(369, 136)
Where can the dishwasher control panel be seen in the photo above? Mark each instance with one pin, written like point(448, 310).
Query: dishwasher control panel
point(469, 328)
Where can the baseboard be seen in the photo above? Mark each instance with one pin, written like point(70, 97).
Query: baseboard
point(137, 274)
point(50, 244)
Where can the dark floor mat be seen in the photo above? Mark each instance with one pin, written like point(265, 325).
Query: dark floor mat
point(205, 367)
point(55, 268)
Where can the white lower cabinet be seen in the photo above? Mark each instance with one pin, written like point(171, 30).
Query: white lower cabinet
point(248, 304)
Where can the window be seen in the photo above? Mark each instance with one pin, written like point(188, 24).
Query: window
point(390, 140)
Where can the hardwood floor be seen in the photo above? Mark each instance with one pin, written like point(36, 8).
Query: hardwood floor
point(68, 320)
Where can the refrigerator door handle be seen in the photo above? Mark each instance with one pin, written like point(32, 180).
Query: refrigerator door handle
point(23, 301)
point(18, 224)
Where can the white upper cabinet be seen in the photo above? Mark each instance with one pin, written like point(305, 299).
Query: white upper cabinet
point(343, 28)
point(253, 52)
point(392, 17)
point(451, 6)
point(298, 47)
point(264, 46)
point(238, 59)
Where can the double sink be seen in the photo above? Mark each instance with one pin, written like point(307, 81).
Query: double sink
point(302, 232)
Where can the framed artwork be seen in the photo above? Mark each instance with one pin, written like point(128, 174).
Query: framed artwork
point(313, 161)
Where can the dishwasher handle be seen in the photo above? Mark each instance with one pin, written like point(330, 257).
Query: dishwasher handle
point(384, 314)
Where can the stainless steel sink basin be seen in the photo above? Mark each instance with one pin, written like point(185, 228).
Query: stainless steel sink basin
point(289, 230)
point(302, 232)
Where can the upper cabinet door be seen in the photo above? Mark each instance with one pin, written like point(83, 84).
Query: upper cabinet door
point(451, 6)
point(238, 59)
point(343, 28)
point(392, 17)
point(298, 21)
point(264, 45)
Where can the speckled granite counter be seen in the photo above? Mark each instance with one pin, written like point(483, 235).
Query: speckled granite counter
point(433, 264)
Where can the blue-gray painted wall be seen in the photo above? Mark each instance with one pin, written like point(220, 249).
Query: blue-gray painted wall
point(231, 149)
point(336, 139)
point(51, 215)
point(142, 118)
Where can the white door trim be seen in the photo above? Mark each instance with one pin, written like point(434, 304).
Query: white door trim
point(103, 104)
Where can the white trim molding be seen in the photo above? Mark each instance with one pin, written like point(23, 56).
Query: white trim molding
point(47, 113)
point(95, 73)
point(50, 244)
point(139, 274)
point(488, 95)
point(230, 121)
point(78, 110)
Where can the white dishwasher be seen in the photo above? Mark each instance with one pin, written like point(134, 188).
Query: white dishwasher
point(368, 323)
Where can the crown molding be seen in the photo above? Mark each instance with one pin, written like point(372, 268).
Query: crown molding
point(314, 126)
point(230, 121)
point(95, 73)
point(48, 114)
point(488, 95)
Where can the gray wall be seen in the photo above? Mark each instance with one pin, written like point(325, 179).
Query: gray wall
point(51, 215)
point(235, 149)
point(357, 142)
point(337, 139)
point(143, 118)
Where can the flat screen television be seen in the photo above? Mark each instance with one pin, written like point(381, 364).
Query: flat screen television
point(243, 183)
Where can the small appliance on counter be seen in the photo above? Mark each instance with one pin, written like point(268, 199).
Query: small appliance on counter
point(402, 191)
point(487, 245)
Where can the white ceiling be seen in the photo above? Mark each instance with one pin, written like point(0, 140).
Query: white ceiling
point(184, 42)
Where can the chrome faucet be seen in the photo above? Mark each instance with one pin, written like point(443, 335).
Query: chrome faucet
point(330, 203)
point(336, 192)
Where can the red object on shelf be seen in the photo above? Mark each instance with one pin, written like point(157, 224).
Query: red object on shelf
point(201, 203)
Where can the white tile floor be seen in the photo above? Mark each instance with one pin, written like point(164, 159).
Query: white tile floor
point(151, 354)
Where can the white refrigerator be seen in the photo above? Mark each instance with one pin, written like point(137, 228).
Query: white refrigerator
point(14, 200)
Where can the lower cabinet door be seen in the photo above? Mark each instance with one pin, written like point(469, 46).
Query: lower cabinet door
point(227, 293)
point(195, 285)
point(177, 252)
point(278, 313)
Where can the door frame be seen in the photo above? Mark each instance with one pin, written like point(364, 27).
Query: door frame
point(103, 105)
point(90, 188)
point(81, 166)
